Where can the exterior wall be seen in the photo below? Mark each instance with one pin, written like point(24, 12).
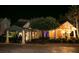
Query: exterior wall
point(51, 34)
point(59, 33)
point(29, 35)
point(62, 31)
point(46, 34)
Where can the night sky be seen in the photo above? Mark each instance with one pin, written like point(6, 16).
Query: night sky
point(16, 12)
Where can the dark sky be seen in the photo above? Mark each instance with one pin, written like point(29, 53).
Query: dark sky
point(15, 12)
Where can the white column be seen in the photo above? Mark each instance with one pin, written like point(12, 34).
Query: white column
point(27, 36)
point(30, 35)
point(74, 34)
point(68, 35)
point(33, 34)
point(7, 36)
point(23, 37)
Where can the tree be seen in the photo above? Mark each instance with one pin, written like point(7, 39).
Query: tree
point(44, 23)
point(62, 18)
point(73, 16)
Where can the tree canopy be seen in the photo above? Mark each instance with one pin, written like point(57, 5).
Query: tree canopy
point(73, 13)
point(44, 23)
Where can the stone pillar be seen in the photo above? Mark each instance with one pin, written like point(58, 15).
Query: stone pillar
point(7, 36)
point(74, 34)
point(23, 37)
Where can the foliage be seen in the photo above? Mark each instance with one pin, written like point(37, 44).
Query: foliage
point(44, 23)
point(73, 13)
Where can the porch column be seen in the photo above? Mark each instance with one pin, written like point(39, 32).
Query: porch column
point(23, 37)
point(29, 35)
point(55, 34)
point(33, 35)
point(74, 34)
point(68, 35)
point(7, 36)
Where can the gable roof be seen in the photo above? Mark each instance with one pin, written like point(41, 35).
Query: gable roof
point(21, 22)
point(27, 25)
point(67, 25)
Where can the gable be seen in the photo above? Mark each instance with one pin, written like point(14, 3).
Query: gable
point(67, 25)
point(27, 25)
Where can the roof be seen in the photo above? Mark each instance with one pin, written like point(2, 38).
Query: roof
point(21, 22)
point(67, 26)
point(27, 25)
point(15, 28)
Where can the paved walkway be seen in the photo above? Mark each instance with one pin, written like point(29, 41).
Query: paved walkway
point(38, 48)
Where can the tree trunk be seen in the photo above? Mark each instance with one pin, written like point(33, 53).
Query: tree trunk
point(77, 28)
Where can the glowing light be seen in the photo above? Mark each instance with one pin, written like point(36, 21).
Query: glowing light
point(20, 33)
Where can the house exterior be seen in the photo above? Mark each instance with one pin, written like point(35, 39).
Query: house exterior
point(25, 32)
point(13, 30)
point(28, 33)
point(66, 30)
point(63, 31)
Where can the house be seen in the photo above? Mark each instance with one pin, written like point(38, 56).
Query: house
point(28, 33)
point(20, 30)
point(63, 31)
point(21, 22)
point(25, 31)
point(14, 29)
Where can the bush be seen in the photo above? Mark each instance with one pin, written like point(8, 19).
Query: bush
point(2, 39)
